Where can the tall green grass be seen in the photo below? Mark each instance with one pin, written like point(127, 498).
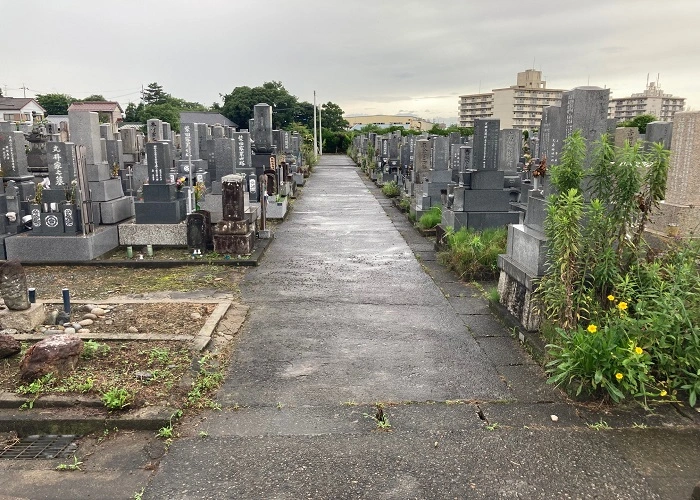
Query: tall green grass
point(474, 255)
point(431, 218)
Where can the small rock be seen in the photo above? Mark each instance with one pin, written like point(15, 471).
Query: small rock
point(9, 346)
point(554, 418)
point(77, 326)
point(62, 317)
point(132, 329)
point(86, 307)
point(90, 316)
point(195, 315)
point(51, 317)
point(84, 330)
point(143, 375)
point(129, 311)
point(70, 330)
point(85, 322)
point(98, 311)
point(109, 321)
point(51, 331)
point(696, 492)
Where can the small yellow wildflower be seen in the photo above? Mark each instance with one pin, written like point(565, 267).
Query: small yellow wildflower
point(622, 306)
point(619, 376)
point(638, 350)
point(663, 394)
point(611, 297)
point(592, 328)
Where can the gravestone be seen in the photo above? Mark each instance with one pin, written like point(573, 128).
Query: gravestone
point(509, 148)
point(13, 286)
point(485, 146)
point(154, 130)
point(233, 234)
point(13, 159)
point(626, 135)
point(162, 203)
point(421, 160)
point(659, 132)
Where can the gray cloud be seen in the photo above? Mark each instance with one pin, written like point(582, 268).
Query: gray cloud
point(367, 56)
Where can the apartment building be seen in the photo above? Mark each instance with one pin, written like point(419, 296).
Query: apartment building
point(652, 101)
point(518, 106)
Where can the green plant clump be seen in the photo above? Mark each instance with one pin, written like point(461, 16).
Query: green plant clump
point(431, 218)
point(621, 320)
point(390, 189)
point(473, 254)
point(116, 398)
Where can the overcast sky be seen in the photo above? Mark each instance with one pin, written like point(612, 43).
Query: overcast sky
point(370, 57)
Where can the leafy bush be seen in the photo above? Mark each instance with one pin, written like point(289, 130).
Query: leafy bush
point(390, 189)
point(473, 254)
point(626, 321)
point(405, 204)
point(116, 398)
point(431, 218)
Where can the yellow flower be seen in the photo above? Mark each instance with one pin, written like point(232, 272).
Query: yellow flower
point(619, 376)
point(592, 328)
point(622, 306)
point(638, 350)
point(663, 394)
point(611, 297)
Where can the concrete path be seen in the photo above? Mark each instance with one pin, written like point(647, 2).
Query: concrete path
point(350, 309)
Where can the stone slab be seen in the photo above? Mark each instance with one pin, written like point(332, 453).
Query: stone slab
point(157, 212)
point(114, 211)
point(36, 248)
point(23, 321)
point(153, 234)
point(106, 190)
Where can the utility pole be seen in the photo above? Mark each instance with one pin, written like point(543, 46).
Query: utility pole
point(315, 141)
point(320, 132)
point(24, 89)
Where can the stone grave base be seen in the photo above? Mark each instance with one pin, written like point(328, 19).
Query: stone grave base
point(165, 235)
point(26, 247)
point(23, 321)
point(476, 220)
point(212, 203)
point(117, 210)
point(515, 287)
point(276, 210)
point(234, 244)
point(676, 221)
point(299, 179)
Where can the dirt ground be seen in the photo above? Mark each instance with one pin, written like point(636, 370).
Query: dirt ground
point(165, 373)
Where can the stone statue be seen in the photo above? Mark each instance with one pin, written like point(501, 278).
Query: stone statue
point(13, 286)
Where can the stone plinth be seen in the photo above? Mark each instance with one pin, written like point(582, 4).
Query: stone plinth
point(166, 235)
point(23, 321)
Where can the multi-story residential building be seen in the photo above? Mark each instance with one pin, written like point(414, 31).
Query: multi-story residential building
point(652, 101)
point(518, 106)
point(406, 121)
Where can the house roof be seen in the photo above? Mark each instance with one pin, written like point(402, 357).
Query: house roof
point(208, 117)
point(96, 106)
point(16, 103)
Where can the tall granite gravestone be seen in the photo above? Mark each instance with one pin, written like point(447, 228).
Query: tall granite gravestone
point(680, 211)
point(263, 149)
point(154, 130)
point(585, 109)
point(233, 235)
point(482, 198)
point(162, 204)
point(660, 132)
point(626, 135)
point(509, 148)
point(243, 162)
point(485, 152)
point(13, 160)
point(191, 164)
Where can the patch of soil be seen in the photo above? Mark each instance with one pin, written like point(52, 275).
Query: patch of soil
point(184, 318)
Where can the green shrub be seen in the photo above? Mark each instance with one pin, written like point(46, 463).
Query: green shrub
point(431, 218)
point(390, 189)
point(405, 204)
point(474, 255)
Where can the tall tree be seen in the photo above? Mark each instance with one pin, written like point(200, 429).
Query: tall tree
point(640, 121)
point(166, 112)
point(131, 114)
point(238, 105)
point(333, 117)
point(55, 104)
point(154, 94)
point(93, 98)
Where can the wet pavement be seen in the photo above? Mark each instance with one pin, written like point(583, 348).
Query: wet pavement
point(350, 309)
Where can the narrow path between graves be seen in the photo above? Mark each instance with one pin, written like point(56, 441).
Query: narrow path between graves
point(343, 315)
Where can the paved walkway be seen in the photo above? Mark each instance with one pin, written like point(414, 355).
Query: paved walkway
point(349, 309)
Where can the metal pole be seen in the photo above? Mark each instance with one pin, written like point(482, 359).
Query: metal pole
point(315, 142)
point(320, 132)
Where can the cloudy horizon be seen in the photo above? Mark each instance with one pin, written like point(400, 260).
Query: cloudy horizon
point(385, 57)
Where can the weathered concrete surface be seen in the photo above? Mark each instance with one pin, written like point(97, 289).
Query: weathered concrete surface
point(343, 313)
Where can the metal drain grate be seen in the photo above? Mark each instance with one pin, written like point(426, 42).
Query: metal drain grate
point(32, 447)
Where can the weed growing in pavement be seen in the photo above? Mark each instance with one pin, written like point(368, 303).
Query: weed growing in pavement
point(167, 432)
point(209, 378)
point(70, 467)
point(116, 398)
point(203, 434)
point(349, 403)
point(35, 388)
point(105, 435)
point(635, 425)
point(379, 418)
point(599, 426)
point(139, 494)
point(492, 427)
